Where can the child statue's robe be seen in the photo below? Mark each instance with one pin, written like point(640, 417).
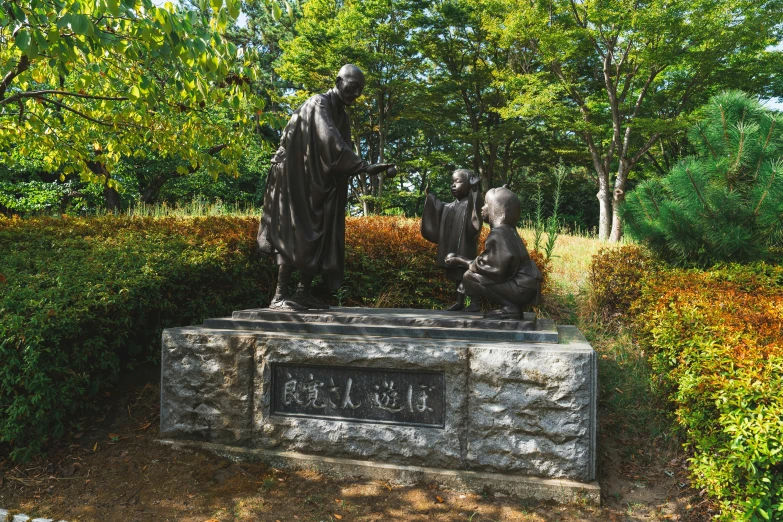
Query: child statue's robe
point(504, 272)
point(455, 227)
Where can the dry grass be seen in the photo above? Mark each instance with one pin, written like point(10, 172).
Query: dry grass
point(571, 259)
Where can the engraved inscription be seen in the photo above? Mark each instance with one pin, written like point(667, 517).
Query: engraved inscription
point(359, 394)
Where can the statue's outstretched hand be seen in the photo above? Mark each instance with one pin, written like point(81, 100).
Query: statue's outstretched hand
point(378, 168)
point(474, 182)
point(455, 260)
point(427, 190)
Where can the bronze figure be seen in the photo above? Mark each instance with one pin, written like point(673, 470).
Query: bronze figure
point(303, 222)
point(504, 273)
point(455, 227)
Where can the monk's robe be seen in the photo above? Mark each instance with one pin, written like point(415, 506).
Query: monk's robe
point(504, 272)
point(455, 227)
point(303, 222)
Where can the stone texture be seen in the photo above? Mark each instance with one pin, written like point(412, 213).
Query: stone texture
point(539, 489)
point(390, 317)
point(388, 322)
point(439, 447)
point(207, 385)
point(532, 410)
point(521, 408)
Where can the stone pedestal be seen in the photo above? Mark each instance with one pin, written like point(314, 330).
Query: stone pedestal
point(403, 394)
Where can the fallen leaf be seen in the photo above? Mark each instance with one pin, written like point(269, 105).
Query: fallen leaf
point(95, 448)
point(144, 426)
point(78, 435)
point(68, 471)
point(387, 486)
point(338, 517)
point(87, 481)
point(2, 278)
point(114, 436)
point(440, 499)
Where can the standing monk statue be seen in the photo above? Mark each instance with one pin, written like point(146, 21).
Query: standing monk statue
point(303, 224)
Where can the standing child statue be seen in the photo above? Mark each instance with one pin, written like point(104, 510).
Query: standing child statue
point(455, 227)
point(504, 272)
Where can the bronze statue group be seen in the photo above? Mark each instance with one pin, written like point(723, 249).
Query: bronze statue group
point(303, 222)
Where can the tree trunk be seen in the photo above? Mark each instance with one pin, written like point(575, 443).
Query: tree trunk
point(604, 206)
point(110, 195)
point(618, 196)
point(617, 221)
point(381, 146)
point(366, 210)
point(112, 198)
point(150, 193)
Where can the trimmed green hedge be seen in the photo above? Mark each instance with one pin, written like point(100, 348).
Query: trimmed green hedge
point(79, 297)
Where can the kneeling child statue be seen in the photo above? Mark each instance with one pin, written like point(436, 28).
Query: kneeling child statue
point(504, 273)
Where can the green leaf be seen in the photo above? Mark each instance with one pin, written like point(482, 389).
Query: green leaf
point(80, 24)
point(22, 39)
point(233, 8)
point(40, 39)
point(18, 13)
point(134, 94)
point(63, 22)
point(222, 19)
point(289, 10)
point(53, 36)
point(114, 7)
point(216, 4)
point(32, 50)
point(276, 12)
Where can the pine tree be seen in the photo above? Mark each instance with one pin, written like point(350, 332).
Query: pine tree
point(725, 203)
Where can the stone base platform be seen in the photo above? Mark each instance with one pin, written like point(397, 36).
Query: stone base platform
point(407, 393)
point(533, 488)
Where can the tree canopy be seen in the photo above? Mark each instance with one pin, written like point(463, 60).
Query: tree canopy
point(89, 82)
point(507, 88)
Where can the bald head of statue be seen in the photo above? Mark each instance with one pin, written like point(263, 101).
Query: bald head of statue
point(501, 206)
point(349, 83)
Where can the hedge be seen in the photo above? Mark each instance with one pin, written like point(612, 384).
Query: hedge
point(716, 339)
point(82, 299)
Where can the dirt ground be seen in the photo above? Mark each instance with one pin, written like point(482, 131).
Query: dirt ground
point(115, 470)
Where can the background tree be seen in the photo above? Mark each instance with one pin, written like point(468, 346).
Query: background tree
point(375, 36)
point(92, 82)
point(725, 203)
point(631, 72)
point(459, 40)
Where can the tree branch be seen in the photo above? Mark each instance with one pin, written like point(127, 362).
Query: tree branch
point(22, 66)
point(37, 94)
point(645, 148)
point(79, 113)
